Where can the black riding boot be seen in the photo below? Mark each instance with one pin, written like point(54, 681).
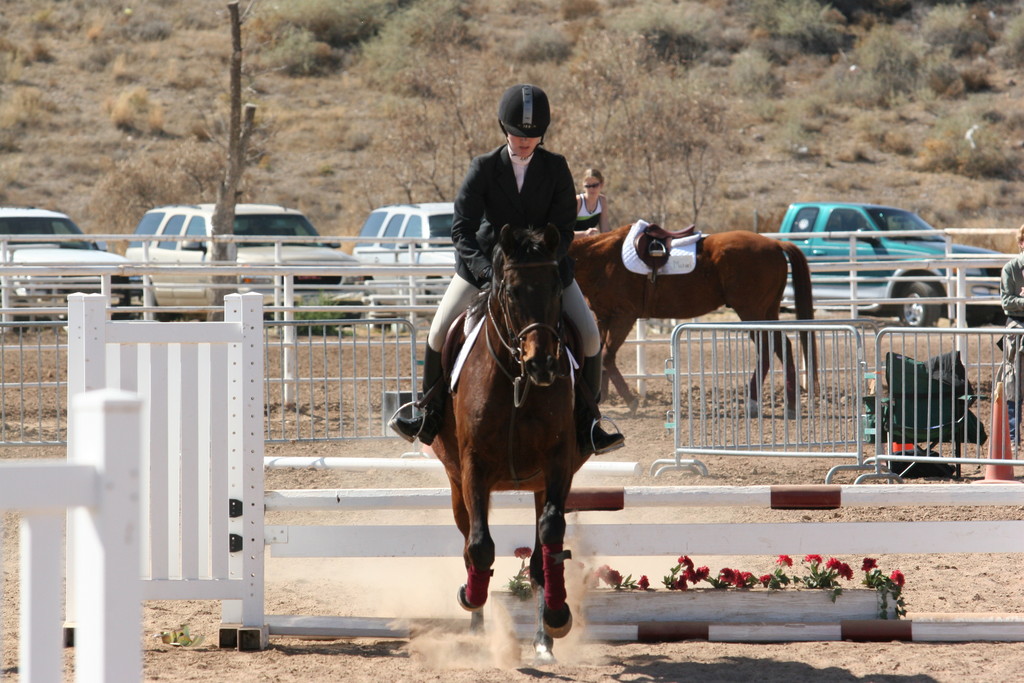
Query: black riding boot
point(593, 440)
point(427, 424)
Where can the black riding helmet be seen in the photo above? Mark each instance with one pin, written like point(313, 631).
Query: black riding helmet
point(524, 111)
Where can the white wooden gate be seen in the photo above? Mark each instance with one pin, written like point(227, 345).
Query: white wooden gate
point(202, 434)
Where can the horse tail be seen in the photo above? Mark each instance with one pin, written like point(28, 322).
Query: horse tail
point(801, 281)
point(804, 309)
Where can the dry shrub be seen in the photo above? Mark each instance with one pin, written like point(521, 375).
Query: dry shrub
point(25, 108)
point(975, 150)
point(944, 80)
point(147, 30)
point(753, 75)
point(1013, 41)
point(971, 198)
point(958, 29)
point(95, 30)
point(579, 9)
point(800, 25)
point(897, 141)
point(297, 52)
point(676, 35)
point(120, 70)
point(187, 75)
point(133, 112)
point(546, 44)
point(96, 58)
point(891, 66)
point(977, 76)
point(183, 173)
point(853, 152)
point(339, 24)
point(396, 61)
point(11, 67)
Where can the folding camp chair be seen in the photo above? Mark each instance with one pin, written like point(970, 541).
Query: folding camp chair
point(929, 402)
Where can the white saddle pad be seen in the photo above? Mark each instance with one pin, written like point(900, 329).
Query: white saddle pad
point(471, 336)
point(682, 256)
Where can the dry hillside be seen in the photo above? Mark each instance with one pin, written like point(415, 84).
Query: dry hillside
point(732, 107)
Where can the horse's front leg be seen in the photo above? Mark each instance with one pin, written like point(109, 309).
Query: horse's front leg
point(478, 552)
point(548, 570)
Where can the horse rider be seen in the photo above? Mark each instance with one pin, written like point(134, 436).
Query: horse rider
point(518, 183)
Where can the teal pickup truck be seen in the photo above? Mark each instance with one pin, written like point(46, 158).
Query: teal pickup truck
point(823, 230)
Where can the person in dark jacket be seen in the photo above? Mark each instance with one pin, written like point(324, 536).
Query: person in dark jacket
point(519, 183)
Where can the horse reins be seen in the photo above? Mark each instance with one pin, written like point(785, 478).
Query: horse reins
point(513, 344)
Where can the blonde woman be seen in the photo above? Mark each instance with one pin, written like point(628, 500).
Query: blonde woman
point(592, 205)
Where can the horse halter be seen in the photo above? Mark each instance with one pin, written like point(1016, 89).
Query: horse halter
point(513, 342)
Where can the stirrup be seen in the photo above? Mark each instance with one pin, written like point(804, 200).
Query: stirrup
point(398, 421)
point(608, 449)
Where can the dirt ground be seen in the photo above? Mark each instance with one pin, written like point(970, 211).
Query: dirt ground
point(426, 589)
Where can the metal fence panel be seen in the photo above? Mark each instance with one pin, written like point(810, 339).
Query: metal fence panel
point(33, 383)
point(932, 395)
point(337, 379)
point(713, 375)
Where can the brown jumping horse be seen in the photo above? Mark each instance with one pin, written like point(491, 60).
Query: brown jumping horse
point(508, 424)
point(739, 269)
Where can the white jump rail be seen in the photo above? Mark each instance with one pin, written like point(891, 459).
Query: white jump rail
point(98, 487)
point(624, 540)
point(202, 470)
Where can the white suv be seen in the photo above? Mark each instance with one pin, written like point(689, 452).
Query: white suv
point(414, 221)
point(52, 290)
point(250, 219)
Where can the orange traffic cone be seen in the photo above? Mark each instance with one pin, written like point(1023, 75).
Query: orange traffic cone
point(1000, 447)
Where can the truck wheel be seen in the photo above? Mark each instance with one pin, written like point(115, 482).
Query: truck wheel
point(915, 314)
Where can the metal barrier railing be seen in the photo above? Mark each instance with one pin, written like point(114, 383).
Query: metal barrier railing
point(329, 380)
point(33, 383)
point(720, 406)
point(934, 387)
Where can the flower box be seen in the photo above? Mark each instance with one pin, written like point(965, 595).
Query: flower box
point(794, 606)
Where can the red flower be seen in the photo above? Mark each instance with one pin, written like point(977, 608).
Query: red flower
point(523, 553)
point(686, 561)
point(784, 561)
point(727, 575)
point(897, 578)
point(613, 577)
point(845, 571)
point(813, 559)
point(765, 579)
point(869, 564)
point(643, 583)
point(701, 574)
point(741, 579)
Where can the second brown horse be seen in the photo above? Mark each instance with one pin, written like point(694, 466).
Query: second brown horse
point(739, 269)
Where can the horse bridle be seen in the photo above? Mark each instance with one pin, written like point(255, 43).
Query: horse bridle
point(513, 343)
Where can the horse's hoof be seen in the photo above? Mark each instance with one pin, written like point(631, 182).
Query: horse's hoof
point(753, 409)
point(464, 602)
point(558, 624)
point(790, 413)
point(633, 406)
point(542, 648)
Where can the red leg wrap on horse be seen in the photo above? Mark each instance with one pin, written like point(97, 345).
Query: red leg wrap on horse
point(476, 585)
point(554, 577)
